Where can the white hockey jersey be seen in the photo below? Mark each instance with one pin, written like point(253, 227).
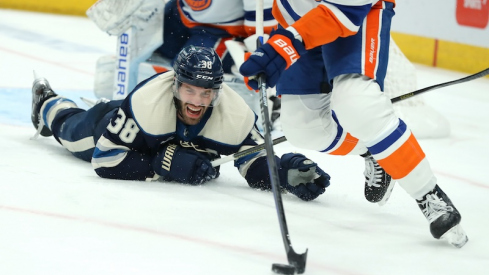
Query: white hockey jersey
point(322, 21)
point(237, 17)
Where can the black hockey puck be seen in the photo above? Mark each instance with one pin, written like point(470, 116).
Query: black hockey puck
point(283, 269)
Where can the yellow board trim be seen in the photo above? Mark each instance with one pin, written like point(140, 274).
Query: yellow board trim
point(443, 54)
point(70, 7)
point(418, 49)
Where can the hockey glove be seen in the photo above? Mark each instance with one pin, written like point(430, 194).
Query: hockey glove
point(302, 177)
point(272, 58)
point(174, 163)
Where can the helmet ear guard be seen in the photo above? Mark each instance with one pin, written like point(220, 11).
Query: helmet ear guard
point(201, 67)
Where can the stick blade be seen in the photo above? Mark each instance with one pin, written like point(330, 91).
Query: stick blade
point(297, 260)
point(283, 269)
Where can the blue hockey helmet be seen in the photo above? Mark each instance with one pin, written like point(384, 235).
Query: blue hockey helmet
point(201, 67)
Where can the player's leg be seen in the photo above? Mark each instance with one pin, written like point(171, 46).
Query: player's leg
point(368, 115)
point(74, 128)
point(309, 122)
point(78, 130)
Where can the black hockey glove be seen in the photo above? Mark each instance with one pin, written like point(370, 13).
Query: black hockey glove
point(302, 177)
point(174, 163)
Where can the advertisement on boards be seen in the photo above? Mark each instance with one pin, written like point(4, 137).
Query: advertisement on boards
point(473, 13)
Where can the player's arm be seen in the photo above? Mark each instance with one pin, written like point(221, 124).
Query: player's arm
point(298, 174)
point(328, 21)
point(121, 152)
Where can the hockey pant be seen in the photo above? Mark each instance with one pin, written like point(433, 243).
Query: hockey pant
point(77, 129)
point(361, 112)
point(347, 76)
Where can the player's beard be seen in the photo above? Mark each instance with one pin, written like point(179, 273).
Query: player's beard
point(190, 114)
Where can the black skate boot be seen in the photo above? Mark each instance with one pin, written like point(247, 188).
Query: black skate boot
point(41, 91)
point(443, 217)
point(378, 184)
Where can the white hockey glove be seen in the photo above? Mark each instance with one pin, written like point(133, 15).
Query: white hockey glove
point(117, 16)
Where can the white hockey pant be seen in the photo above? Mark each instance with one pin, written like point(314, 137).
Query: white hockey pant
point(362, 110)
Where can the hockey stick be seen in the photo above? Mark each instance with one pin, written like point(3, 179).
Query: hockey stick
point(252, 150)
point(441, 85)
point(298, 261)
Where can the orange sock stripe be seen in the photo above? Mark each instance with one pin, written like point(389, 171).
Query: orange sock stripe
point(346, 146)
point(400, 163)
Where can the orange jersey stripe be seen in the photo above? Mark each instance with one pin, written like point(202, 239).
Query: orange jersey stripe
point(220, 46)
point(159, 69)
point(346, 146)
point(372, 31)
point(278, 15)
point(402, 161)
point(232, 30)
point(250, 30)
point(320, 26)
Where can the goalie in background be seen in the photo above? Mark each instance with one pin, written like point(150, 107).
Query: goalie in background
point(333, 56)
point(160, 32)
point(170, 128)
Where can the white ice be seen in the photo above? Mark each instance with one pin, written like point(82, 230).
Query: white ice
point(58, 217)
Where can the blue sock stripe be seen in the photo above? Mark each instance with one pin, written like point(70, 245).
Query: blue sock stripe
point(390, 139)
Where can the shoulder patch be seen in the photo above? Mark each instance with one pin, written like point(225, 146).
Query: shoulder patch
point(152, 106)
point(198, 5)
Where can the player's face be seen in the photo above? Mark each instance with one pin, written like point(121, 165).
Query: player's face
point(194, 102)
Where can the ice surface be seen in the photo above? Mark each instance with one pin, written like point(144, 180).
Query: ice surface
point(58, 217)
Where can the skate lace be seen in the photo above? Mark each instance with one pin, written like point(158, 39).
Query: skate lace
point(373, 172)
point(434, 207)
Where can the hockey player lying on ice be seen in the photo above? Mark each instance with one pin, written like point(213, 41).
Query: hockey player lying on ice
point(169, 128)
point(332, 55)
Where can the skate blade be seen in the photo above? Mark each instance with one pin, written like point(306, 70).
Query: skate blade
point(387, 193)
point(455, 236)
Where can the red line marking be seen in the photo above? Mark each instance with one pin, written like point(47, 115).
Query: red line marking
point(240, 249)
point(468, 181)
point(138, 229)
point(46, 61)
point(435, 53)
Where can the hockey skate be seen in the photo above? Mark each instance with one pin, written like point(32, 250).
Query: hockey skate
point(378, 184)
point(443, 217)
point(41, 91)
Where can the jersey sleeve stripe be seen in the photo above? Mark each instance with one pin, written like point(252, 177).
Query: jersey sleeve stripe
point(321, 26)
point(108, 154)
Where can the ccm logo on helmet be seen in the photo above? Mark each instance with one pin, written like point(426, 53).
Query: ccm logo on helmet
point(204, 77)
point(289, 50)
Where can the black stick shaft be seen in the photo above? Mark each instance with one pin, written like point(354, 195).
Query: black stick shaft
point(441, 85)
